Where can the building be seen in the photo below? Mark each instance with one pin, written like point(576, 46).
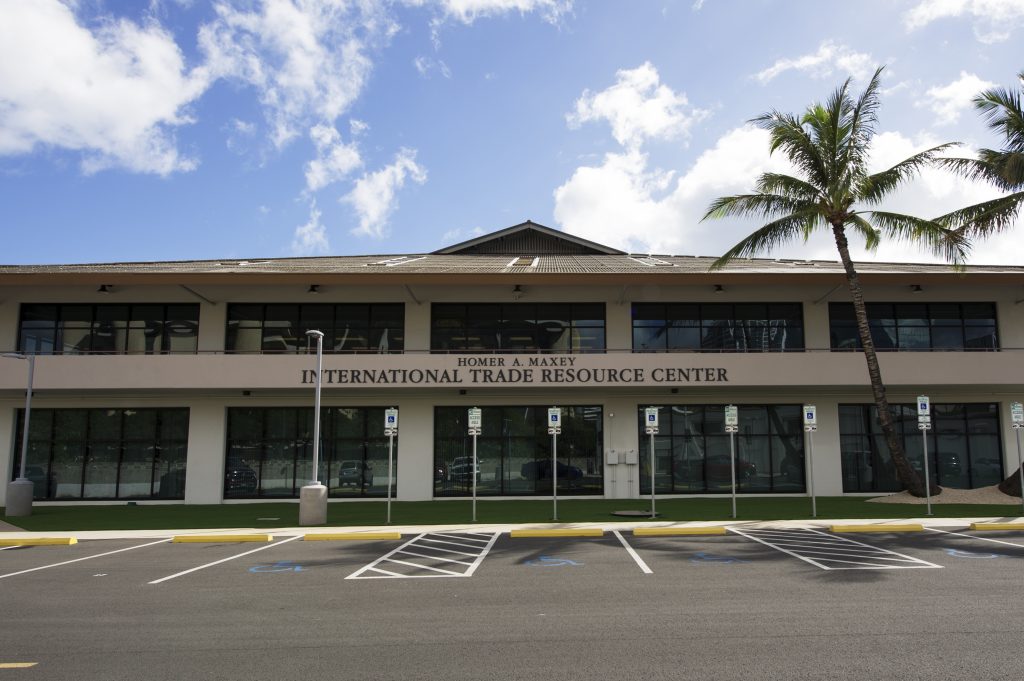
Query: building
point(193, 380)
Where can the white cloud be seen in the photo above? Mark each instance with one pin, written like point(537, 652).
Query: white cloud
point(638, 107)
point(994, 20)
point(468, 11)
point(335, 159)
point(625, 204)
point(374, 194)
point(311, 238)
point(829, 59)
point(115, 93)
point(425, 65)
point(949, 101)
point(307, 58)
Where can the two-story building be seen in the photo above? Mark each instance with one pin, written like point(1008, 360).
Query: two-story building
point(194, 380)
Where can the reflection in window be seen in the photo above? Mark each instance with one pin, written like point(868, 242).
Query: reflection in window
point(108, 329)
point(917, 326)
point(105, 453)
point(964, 449)
point(348, 327)
point(518, 327)
point(742, 327)
point(270, 452)
point(692, 451)
point(514, 452)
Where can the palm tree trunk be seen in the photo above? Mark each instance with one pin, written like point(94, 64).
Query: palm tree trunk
point(906, 474)
point(1011, 485)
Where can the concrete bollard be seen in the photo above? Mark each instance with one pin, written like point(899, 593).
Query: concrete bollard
point(313, 505)
point(19, 497)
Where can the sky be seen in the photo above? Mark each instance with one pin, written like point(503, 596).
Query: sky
point(149, 130)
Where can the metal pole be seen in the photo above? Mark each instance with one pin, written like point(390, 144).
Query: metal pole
point(474, 478)
point(810, 474)
point(732, 466)
point(554, 474)
point(391, 450)
point(28, 417)
point(653, 514)
point(316, 406)
point(927, 483)
point(1020, 469)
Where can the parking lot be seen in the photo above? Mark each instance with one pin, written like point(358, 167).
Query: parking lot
point(758, 602)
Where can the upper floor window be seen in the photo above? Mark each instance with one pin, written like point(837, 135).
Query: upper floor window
point(722, 327)
point(144, 328)
point(518, 327)
point(917, 326)
point(347, 327)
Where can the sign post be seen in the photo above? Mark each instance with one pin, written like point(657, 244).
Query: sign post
point(554, 430)
point(651, 428)
point(924, 424)
point(475, 427)
point(1017, 418)
point(390, 429)
point(732, 426)
point(810, 427)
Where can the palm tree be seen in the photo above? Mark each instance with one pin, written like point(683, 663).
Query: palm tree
point(1004, 169)
point(829, 147)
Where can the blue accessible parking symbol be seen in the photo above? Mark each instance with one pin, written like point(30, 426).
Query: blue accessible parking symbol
point(702, 557)
point(551, 561)
point(957, 553)
point(280, 566)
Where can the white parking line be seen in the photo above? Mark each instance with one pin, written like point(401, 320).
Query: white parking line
point(419, 542)
point(629, 549)
point(971, 536)
point(778, 539)
point(78, 560)
point(224, 560)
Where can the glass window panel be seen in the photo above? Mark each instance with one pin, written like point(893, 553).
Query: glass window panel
point(173, 424)
point(70, 424)
point(683, 338)
point(844, 336)
point(948, 337)
point(277, 471)
point(952, 464)
point(986, 460)
point(241, 468)
point(349, 423)
point(75, 338)
point(588, 339)
point(945, 314)
point(101, 470)
point(40, 424)
point(136, 471)
point(588, 314)
point(787, 463)
point(648, 314)
point(352, 314)
point(980, 337)
point(170, 471)
point(980, 312)
point(683, 314)
point(387, 316)
point(105, 424)
point(67, 467)
point(753, 465)
point(649, 339)
point(140, 424)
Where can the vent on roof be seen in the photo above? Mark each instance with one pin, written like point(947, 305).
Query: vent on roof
point(524, 261)
point(391, 262)
point(651, 261)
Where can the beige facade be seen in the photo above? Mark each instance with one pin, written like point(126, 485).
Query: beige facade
point(619, 380)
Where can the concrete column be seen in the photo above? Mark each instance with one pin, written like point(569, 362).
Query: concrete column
point(816, 334)
point(415, 456)
point(417, 326)
point(8, 447)
point(204, 475)
point(618, 326)
point(620, 437)
point(8, 326)
point(212, 327)
point(828, 463)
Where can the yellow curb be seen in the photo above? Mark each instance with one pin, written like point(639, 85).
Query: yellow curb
point(997, 526)
point(353, 536)
point(17, 665)
point(204, 538)
point(586, 532)
point(912, 527)
point(675, 531)
point(40, 541)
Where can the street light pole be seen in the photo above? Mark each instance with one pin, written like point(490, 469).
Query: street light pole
point(20, 491)
point(313, 497)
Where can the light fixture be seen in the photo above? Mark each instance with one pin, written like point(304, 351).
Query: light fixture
point(104, 288)
point(916, 288)
point(517, 292)
point(313, 288)
point(719, 288)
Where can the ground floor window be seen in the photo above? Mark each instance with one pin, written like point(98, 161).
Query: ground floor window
point(270, 452)
point(514, 452)
point(692, 451)
point(964, 449)
point(105, 453)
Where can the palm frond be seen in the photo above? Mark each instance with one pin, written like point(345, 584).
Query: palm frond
point(873, 188)
point(786, 185)
point(753, 205)
point(1001, 109)
point(951, 245)
point(987, 218)
point(769, 236)
point(871, 236)
point(788, 135)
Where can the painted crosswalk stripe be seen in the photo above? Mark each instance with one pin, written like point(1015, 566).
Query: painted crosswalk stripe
point(423, 554)
point(832, 553)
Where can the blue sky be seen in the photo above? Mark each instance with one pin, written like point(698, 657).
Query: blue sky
point(183, 129)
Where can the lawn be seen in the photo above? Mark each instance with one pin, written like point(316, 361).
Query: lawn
point(363, 513)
